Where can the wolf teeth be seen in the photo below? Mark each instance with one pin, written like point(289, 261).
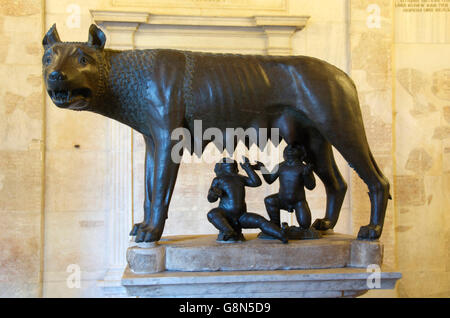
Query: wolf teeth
point(61, 96)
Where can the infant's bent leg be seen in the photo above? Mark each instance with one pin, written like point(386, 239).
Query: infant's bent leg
point(253, 220)
point(217, 217)
point(303, 214)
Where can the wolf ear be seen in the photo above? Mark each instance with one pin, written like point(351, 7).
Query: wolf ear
point(96, 37)
point(51, 37)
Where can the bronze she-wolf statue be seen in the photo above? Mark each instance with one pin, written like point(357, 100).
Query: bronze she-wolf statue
point(311, 102)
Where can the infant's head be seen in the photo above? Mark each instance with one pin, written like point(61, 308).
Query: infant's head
point(226, 166)
point(292, 152)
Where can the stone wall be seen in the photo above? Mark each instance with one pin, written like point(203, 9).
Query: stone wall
point(55, 204)
point(21, 149)
point(422, 156)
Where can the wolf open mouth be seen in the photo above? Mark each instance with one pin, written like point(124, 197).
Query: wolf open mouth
point(68, 98)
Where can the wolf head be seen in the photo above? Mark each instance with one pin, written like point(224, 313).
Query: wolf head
point(73, 71)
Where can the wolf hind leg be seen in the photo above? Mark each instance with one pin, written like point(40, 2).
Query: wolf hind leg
point(320, 155)
point(362, 161)
point(379, 195)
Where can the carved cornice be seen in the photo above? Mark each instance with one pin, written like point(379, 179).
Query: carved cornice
point(278, 30)
point(295, 22)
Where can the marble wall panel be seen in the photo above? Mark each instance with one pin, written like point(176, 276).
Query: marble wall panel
point(20, 259)
point(20, 181)
point(21, 112)
point(21, 149)
point(72, 131)
point(422, 178)
point(77, 238)
point(77, 181)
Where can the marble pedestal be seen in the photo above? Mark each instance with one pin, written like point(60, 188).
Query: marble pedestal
point(198, 266)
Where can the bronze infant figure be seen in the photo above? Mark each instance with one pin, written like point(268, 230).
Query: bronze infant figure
point(310, 102)
point(293, 176)
point(231, 216)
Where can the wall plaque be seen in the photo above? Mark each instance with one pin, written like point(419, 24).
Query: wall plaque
point(423, 5)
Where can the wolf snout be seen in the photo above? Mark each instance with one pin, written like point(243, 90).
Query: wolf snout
point(57, 76)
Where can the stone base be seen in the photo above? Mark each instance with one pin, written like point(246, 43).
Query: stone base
point(342, 282)
point(204, 253)
point(148, 259)
point(199, 266)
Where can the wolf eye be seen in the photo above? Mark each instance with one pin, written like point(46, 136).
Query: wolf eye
point(47, 59)
point(83, 60)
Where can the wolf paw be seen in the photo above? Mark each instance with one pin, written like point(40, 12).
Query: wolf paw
point(322, 224)
point(369, 232)
point(136, 228)
point(147, 233)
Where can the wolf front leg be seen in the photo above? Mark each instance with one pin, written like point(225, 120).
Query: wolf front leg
point(164, 176)
point(149, 168)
